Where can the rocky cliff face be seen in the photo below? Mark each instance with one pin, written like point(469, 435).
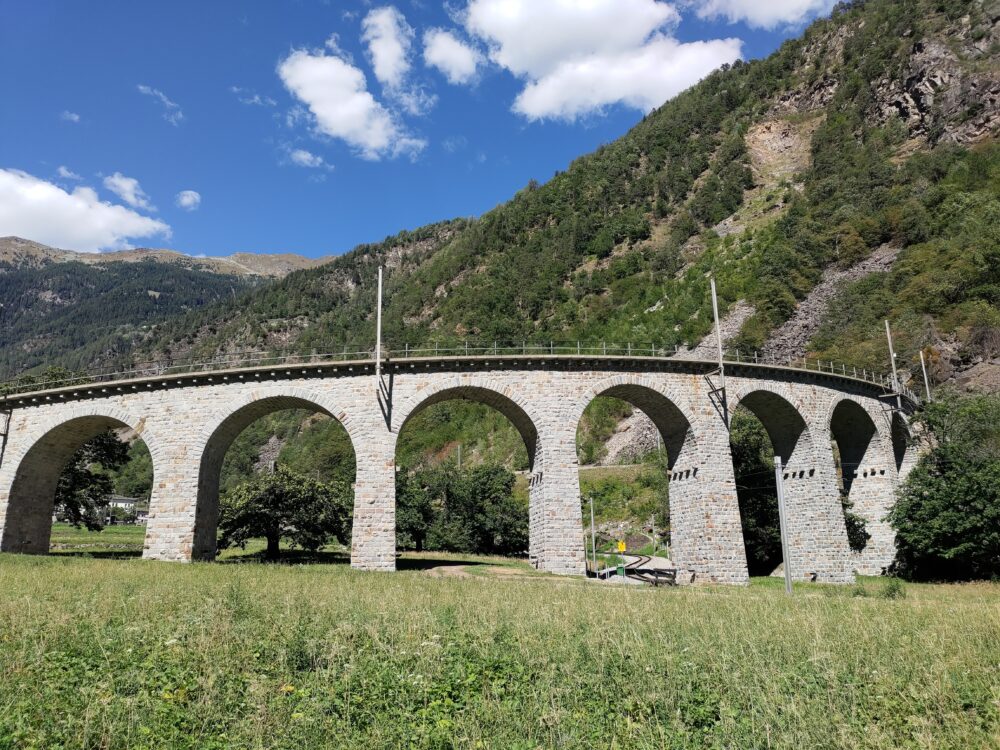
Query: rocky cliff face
point(950, 89)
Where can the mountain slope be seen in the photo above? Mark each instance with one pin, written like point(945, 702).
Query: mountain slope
point(21, 253)
point(59, 307)
point(851, 138)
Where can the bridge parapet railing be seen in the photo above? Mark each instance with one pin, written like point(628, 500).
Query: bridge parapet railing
point(182, 365)
point(464, 348)
point(644, 349)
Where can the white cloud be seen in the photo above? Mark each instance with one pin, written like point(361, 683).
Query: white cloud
point(189, 200)
point(389, 40)
point(300, 157)
point(252, 98)
point(303, 158)
point(129, 190)
point(453, 57)
point(578, 57)
point(67, 174)
point(332, 43)
point(295, 115)
point(533, 37)
point(388, 37)
point(338, 99)
point(415, 100)
point(643, 78)
point(41, 211)
point(171, 110)
point(69, 116)
point(759, 14)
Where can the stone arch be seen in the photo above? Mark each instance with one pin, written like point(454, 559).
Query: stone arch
point(658, 403)
point(501, 398)
point(868, 477)
point(544, 549)
point(815, 529)
point(706, 539)
point(219, 435)
point(858, 439)
point(31, 474)
point(781, 416)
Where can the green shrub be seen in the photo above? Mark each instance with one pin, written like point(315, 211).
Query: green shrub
point(893, 589)
point(454, 510)
point(947, 517)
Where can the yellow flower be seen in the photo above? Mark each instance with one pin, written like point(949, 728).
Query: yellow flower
point(287, 689)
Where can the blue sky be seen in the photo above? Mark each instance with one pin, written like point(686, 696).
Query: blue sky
point(308, 126)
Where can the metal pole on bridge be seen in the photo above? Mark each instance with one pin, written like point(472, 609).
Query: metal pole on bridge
point(718, 395)
point(786, 563)
point(718, 335)
point(927, 383)
point(378, 334)
point(892, 359)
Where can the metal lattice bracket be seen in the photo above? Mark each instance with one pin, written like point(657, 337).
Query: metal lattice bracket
point(891, 402)
point(5, 419)
point(717, 395)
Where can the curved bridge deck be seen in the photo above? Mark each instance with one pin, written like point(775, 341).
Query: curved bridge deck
point(865, 382)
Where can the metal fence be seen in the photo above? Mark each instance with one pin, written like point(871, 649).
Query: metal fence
point(460, 349)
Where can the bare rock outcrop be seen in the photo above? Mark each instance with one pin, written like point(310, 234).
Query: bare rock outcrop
point(780, 148)
point(944, 84)
point(791, 339)
point(636, 436)
point(729, 326)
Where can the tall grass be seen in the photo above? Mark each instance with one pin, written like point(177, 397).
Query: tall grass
point(132, 654)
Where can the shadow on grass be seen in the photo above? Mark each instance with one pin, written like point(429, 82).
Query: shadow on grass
point(426, 563)
point(101, 554)
point(287, 557)
point(235, 556)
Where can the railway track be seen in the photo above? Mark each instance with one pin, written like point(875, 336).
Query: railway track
point(638, 568)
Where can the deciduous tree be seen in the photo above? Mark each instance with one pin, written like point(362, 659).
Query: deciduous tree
point(947, 518)
point(283, 504)
point(87, 481)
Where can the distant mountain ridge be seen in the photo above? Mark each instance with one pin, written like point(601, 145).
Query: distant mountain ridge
point(23, 253)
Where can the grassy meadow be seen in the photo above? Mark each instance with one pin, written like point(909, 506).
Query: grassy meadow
point(466, 652)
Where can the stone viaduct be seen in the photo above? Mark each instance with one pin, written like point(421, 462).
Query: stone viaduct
point(188, 421)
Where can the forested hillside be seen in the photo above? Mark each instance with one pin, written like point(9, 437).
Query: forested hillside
point(77, 315)
point(873, 130)
point(76, 310)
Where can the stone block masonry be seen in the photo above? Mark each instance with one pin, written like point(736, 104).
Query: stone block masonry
point(189, 421)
